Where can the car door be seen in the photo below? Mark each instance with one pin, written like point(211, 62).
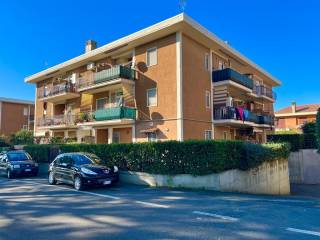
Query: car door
point(1, 163)
point(58, 168)
point(66, 169)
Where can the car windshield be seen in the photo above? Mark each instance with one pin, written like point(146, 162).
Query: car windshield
point(18, 156)
point(81, 159)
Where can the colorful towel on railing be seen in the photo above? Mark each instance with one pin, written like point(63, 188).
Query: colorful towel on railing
point(245, 115)
point(239, 112)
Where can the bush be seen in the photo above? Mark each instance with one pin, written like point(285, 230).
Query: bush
point(295, 140)
point(4, 141)
point(309, 128)
point(318, 129)
point(22, 137)
point(171, 157)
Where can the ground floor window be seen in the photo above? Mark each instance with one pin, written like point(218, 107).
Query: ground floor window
point(116, 137)
point(152, 136)
point(208, 135)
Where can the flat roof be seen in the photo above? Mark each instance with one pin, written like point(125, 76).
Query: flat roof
point(13, 100)
point(180, 22)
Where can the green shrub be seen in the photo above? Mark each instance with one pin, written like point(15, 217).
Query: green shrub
point(309, 128)
point(22, 137)
point(295, 140)
point(172, 157)
point(4, 141)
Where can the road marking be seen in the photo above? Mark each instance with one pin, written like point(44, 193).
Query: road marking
point(153, 204)
point(303, 231)
point(73, 190)
point(216, 216)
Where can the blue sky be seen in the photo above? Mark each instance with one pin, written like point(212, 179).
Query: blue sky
point(281, 36)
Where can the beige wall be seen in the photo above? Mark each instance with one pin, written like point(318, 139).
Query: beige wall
point(163, 77)
point(196, 81)
point(125, 134)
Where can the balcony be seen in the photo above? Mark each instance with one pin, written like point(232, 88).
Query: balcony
point(230, 76)
point(57, 122)
point(264, 92)
point(230, 116)
point(98, 81)
point(58, 93)
point(119, 115)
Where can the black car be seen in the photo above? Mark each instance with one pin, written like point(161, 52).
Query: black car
point(14, 163)
point(81, 170)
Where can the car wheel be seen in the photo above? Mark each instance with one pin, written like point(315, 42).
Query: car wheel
point(51, 179)
point(9, 174)
point(78, 185)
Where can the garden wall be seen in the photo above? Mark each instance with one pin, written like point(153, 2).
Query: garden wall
point(268, 178)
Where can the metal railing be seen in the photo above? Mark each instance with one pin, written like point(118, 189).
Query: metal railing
point(57, 89)
point(230, 74)
point(57, 120)
point(115, 72)
point(264, 91)
point(230, 113)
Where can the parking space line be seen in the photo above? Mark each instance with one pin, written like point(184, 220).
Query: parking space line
point(152, 204)
point(304, 231)
point(73, 190)
point(216, 216)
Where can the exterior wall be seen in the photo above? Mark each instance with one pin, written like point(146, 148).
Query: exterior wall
point(12, 117)
point(294, 122)
point(163, 77)
point(196, 81)
point(268, 178)
point(219, 132)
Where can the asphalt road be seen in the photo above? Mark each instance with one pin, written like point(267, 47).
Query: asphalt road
point(31, 209)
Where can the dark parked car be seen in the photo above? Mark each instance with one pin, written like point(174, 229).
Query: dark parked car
point(14, 163)
point(81, 170)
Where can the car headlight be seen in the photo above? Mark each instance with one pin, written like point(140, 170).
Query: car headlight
point(115, 169)
point(88, 171)
point(15, 166)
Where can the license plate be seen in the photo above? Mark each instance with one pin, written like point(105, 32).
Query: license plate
point(106, 182)
point(27, 170)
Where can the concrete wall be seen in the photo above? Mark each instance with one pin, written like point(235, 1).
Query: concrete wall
point(304, 167)
point(269, 178)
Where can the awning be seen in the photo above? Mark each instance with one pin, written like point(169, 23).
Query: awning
point(257, 130)
point(149, 130)
point(40, 134)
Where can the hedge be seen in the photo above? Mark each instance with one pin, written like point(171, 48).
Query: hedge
point(296, 141)
point(171, 157)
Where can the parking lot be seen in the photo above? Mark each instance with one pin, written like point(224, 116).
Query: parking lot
point(31, 209)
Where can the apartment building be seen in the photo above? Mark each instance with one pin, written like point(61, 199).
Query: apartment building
point(15, 115)
point(292, 118)
point(174, 80)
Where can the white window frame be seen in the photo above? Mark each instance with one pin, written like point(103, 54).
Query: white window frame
point(101, 99)
point(25, 111)
point(148, 104)
point(152, 139)
point(207, 133)
point(207, 62)
point(149, 50)
point(208, 94)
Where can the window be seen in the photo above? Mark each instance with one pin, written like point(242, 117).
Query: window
point(152, 137)
point(101, 103)
point(152, 97)
point(25, 127)
point(208, 100)
point(221, 65)
point(116, 137)
point(225, 136)
point(25, 111)
point(207, 62)
point(152, 56)
point(208, 135)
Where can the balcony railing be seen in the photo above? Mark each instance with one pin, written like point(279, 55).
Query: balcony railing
point(107, 75)
point(57, 89)
point(264, 91)
point(231, 113)
point(230, 74)
point(112, 113)
point(57, 120)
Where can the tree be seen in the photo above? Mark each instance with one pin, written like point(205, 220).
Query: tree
point(22, 137)
point(318, 129)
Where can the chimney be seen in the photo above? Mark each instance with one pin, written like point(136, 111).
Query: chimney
point(91, 45)
point(293, 107)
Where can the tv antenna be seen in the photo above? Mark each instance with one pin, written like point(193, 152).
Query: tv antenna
point(183, 4)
